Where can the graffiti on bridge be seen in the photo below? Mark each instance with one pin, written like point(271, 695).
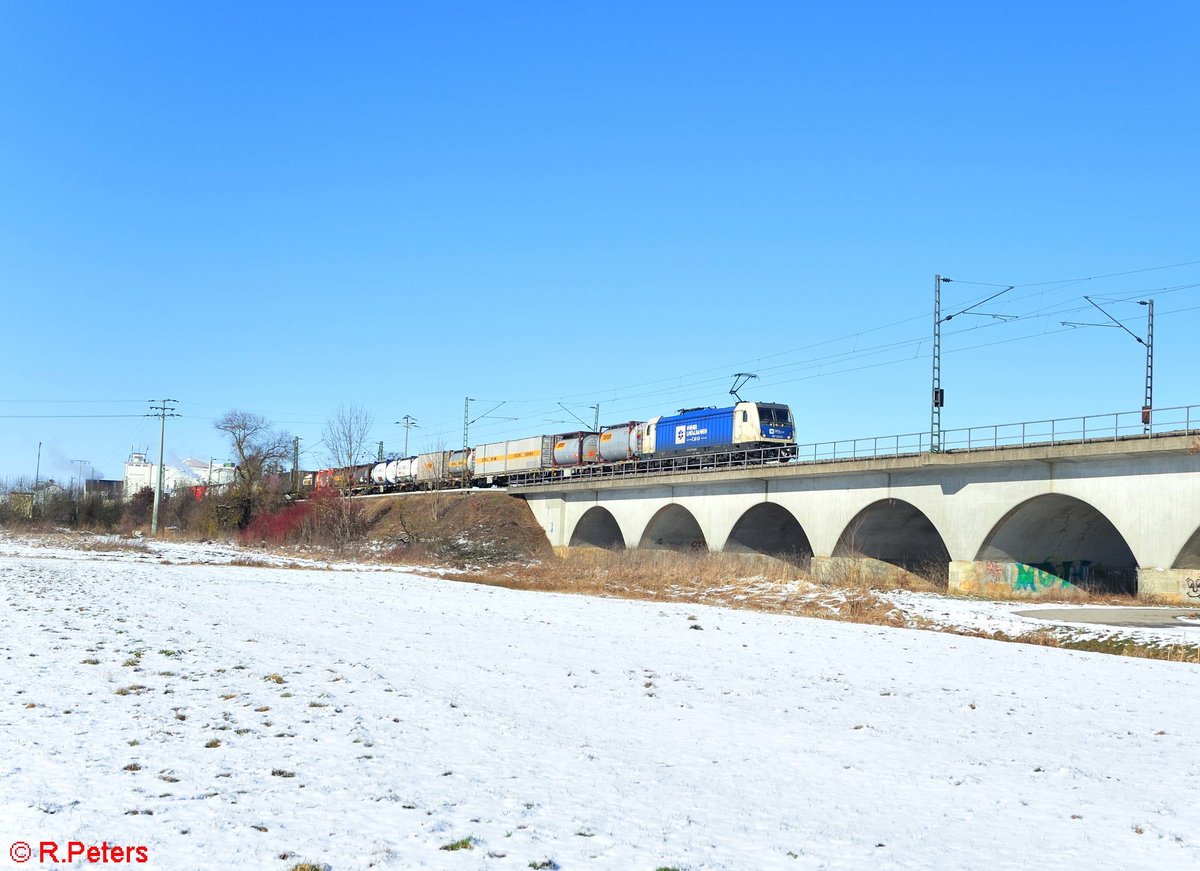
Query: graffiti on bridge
point(1046, 575)
point(1193, 588)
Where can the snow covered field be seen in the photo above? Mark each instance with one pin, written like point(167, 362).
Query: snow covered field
point(249, 717)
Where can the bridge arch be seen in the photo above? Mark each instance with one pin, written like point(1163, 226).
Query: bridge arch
point(770, 529)
point(1066, 537)
point(1189, 557)
point(598, 528)
point(897, 532)
point(673, 527)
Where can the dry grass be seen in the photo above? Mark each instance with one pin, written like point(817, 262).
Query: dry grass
point(848, 593)
point(1072, 595)
point(122, 546)
point(48, 535)
point(456, 529)
point(1114, 646)
point(256, 563)
point(864, 574)
point(726, 579)
point(638, 574)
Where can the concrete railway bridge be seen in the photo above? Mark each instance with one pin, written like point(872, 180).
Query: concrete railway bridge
point(1121, 514)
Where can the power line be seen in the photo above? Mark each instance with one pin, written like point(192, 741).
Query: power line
point(65, 416)
point(75, 401)
point(1066, 281)
point(674, 381)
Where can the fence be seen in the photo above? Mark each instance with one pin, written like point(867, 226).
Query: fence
point(1118, 426)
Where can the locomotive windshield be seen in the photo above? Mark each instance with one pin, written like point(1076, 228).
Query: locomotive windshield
point(774, 414)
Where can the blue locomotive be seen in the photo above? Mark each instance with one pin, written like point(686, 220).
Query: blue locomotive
point(702, 430)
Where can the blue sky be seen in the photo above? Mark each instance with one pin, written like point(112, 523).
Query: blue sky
point(282, 207)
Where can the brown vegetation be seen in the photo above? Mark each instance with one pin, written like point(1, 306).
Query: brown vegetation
point(1049, 637)
point(456, 529)
point(729, 580)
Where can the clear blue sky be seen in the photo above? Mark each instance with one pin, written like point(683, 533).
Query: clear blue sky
point(279, 207)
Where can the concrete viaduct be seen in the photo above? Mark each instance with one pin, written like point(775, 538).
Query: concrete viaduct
point(1120, 515)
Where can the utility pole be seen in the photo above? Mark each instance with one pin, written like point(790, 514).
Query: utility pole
point(937, 396)
point(1148, 343)
point(82, 487)
point(37, 474)
point(408, 422)
point(466, 420)
point(162, 412)
point(379, 454)
point(295, 463)
point(596, 421)
point(1148, 405)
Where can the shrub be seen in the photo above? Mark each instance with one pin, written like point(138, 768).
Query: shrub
point(139, 508)
point(279, 527)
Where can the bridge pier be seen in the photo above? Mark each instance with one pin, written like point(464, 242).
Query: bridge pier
point(1171, 584)
point(984, 577)
point(854, 570)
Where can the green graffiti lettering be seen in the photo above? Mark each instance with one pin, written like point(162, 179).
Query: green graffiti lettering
point(1043, 576)
point(1024, 579)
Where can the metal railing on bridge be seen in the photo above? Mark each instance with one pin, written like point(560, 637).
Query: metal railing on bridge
point(1118, 426)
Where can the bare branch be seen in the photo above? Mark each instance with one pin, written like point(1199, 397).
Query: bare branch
point(259, 448)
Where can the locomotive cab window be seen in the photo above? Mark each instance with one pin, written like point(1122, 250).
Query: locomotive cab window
point(745, 416)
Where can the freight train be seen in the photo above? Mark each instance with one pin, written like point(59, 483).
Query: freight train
point(748, 433)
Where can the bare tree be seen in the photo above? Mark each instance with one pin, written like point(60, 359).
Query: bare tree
point(345, 438)
point(260, 450)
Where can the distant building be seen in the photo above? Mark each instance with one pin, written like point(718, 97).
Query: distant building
point(21, 502)
point(211, 473)
point(105, 489)
point(140, 472)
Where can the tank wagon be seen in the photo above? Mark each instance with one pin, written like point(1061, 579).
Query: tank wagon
point(746, 433)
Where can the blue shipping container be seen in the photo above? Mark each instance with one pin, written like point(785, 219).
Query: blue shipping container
point(693, 431)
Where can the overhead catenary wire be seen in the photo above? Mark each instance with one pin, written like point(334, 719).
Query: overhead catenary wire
point(674, 382)
point(690, 385)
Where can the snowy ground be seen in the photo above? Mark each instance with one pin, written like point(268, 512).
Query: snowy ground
point(586, 733)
